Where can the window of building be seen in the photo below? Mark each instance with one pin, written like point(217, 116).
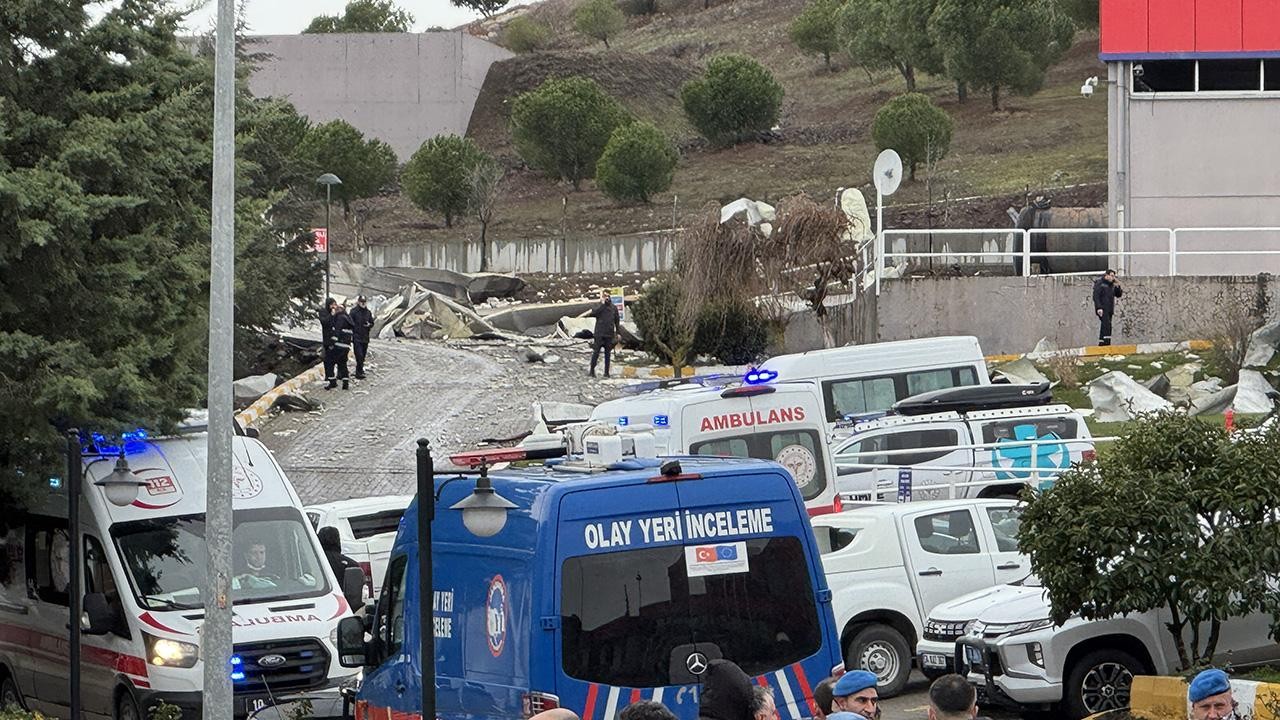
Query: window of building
point(1230, 75)
point(1191, 76)
point(1271, 75)
point(1164, 76)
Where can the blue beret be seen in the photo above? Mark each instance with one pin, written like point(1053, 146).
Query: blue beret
point(852, 682)
point(1207, 684)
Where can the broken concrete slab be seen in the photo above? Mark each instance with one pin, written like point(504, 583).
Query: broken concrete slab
point(1262, 345)
point(1252, 394)
point(1209, 401)
point(1020, 372)
point(1181, 378)
point(487, 286)
point(750, 211)
point(1116, 397)
point(1043, 347)
point(520, 318)
point(293, 403)
point(249, 389)
point(1159, 385)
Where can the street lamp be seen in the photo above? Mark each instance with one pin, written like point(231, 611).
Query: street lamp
point(120, 487)
point(328, 180)
point(74, 469)
point(484, 514)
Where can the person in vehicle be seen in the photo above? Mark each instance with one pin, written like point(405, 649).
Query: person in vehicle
point(606, 330)
point(726, 693)
point(646, 710)
point(822, 698)
point(255, 574)
point(763, 706)
point(856, 692)
point(60, 563)
point(331, 543)
point(951, 697)
point(1210, 696)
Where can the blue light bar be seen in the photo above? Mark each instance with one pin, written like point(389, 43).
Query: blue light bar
point(756, 376)
point(237, 668)
point(130, 442)
point(623, 421)
point(661, 421)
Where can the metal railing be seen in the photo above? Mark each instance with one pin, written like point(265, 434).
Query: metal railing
point(1121, 253)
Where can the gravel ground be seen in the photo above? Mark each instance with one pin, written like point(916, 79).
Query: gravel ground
point(361, 442)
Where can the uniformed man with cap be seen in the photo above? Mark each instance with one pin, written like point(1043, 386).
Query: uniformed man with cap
point(855, 692)
point(1210, 696)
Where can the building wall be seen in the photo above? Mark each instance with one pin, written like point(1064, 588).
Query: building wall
point(402, 88)
point(642, 252)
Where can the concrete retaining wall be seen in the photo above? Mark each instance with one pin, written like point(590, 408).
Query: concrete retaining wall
point(619, 253)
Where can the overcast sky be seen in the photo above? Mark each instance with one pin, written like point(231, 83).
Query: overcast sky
point(287, 17)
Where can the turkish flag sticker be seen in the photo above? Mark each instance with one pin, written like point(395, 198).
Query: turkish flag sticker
point(706, 554)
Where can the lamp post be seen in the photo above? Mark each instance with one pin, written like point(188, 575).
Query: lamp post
point(74, 468)
point(328, 180)
point(484, 514)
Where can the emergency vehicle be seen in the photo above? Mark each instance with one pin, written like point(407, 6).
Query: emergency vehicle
point(780, 421)
point(144, 567)
point(608, 584)
point(860, 379)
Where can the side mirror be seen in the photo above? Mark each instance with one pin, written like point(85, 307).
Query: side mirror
point(101, 616)
point(353, 586)
point(351, 645)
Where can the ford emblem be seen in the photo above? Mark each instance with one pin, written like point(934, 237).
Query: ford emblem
point(271, 661)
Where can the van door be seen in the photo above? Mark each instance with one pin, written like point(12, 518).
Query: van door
point(948, 557)
point(105, 654)
point(936, 470)
point(389, 680)
point(15, 612)
point(1014, 465)
point(1000, 525)
point(48, 579)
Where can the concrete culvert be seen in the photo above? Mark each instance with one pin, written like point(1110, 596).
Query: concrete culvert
point(1040, 214)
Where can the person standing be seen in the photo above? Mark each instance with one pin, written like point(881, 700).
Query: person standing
point(342, 330)
point(726, 693)
point(326, 338)
point(362, 319)
point(951, 697)
point(855, 692)
point(331, 543)
point(1210, 696)
point(606, 331)
point(1105, 292)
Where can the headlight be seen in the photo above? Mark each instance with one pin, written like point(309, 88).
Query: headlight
point(170, 653)
point(993, 630)
point(333, 636)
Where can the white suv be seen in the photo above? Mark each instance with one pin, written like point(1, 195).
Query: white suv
point(368, 529)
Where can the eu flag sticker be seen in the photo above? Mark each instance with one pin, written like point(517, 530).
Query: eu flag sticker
point(719, 559)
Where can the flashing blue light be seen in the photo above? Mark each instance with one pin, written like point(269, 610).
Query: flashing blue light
point(55, 483)
point(756, 376)
point(661, 421)
point(623, 421)
point(237, 668)
point(130, 442)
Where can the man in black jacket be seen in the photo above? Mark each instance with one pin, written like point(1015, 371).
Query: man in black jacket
point(342, 330)
point(331, 543)
point(362, 319)
point(606, 330)
point(1105, 292)
point(326, 337)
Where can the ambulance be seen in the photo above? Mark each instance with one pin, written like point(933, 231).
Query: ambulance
point(609, 583)
point(142, 533)
point(747, 417)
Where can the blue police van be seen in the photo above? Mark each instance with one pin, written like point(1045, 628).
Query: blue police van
point(605, 587)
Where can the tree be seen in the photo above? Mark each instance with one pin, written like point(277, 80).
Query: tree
point(1176, 515)
point(364, 166)
point(734, 333)
point(437, 178)
point(599, 19)
point(484, 182)
point(736, 98)
point(525, 35)
point(563, 125)
point(484, 7)
point(1083, 12)
point(814, 29)
point(638, 162)
point(668, 331)
point(912, 125)
point(364, 16)
point(639, 7)
point(891, 34)
point(995, 44)
point(105, 166)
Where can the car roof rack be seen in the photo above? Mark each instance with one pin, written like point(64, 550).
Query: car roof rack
point(974, 398)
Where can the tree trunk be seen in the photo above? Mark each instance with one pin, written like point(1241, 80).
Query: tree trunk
point(913, 171)
point(484, 247)
point(448, 220)
point(995, 97)
point(826, 57)
point(606, 42)
point(908, 74)
point(962, 92)
point(1174, 626)
point(1211, 646)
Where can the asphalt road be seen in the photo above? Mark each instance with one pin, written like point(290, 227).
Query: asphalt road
point(914, 704)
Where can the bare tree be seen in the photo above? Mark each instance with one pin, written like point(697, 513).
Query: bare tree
point(485, 180)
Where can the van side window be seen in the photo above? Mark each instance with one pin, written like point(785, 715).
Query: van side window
point(724, 447)
point(391, 607)
point(800, 451)
point(947, 533)
point(49, 563)
point(858, 397)
point(927, 380)
point(1022, 428)
point(11, 558)
point(97, 573)
point(1005, 521)
point(943, 438)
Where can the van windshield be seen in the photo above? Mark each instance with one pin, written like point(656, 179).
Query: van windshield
point(631, 618)
point(273, 558)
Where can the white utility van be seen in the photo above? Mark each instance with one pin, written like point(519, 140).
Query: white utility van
point(143, 577)
point(862, 379)
point(368, 529)
point(778, 421)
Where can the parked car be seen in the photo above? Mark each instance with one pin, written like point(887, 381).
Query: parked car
point(888, 565)
point(936, 651)
point(368, 529)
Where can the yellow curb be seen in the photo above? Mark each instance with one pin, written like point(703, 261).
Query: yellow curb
point(1002, 358)
point(1095, 350)
point(1200, 344)
point(260, 407)
point(630, 371)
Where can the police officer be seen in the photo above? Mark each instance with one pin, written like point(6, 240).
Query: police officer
point(326, 338)
point(1105, 292)
point(606, 329)
point(342, 330)
point(1210, 696)
point(331, 543)
point(362, 319)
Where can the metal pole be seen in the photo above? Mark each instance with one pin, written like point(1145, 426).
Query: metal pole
point(879, 237)
point(74, 469)
point(426, 608)
point(217, 641)
point(327, 190)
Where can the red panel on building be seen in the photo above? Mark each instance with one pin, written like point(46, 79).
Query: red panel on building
point(1218, 26)
point(1171, 26)
point(1124, 26)
point(1261, 22)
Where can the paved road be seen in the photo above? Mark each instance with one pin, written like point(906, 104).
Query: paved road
point(914, 703)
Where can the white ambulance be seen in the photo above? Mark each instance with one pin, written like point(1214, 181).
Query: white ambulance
point(772, 421)
point(144, 580)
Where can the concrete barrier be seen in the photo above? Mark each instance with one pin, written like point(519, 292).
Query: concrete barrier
point(642, 252)
point(1165, 698)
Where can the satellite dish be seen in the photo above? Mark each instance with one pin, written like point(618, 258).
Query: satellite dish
point(887, 174)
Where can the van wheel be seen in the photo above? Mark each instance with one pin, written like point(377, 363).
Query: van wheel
point(127, 707)
point(9, 694)
point(1100, 681)
point(883, 651)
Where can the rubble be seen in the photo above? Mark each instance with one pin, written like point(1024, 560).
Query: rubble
point(249, 389)
point(1210, 398)
point(522, 318)
point(1180, 379)
point(1253, 394)
point(1262, 345)
point(1044, 347)
point(294, 403)
point(1117, 397)
point(754, 213)
point(1020, 372)
point(1159, 385)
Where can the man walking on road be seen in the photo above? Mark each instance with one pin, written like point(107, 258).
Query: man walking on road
point(326, 338)
point(606, 331)
point(1105, 292)
point(342, 330)
point(362, 319)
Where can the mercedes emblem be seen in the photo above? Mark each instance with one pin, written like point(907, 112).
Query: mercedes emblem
point(696, 663)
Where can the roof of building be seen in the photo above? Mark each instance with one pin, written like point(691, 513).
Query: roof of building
point(1189, 29)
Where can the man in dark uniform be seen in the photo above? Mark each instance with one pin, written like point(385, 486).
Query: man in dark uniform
point(362, 318)
point(1105, 292)
point(331, 543)
point(606, 330)
point(342, 330)
point(326, 338)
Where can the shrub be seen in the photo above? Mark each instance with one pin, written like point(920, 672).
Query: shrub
point(658, 318)
point(911, 124)
point(563, 126)
point(638, 161)
point(599, 19)
point(732, 333)
point(736, 98)
point(525, 35)
point(437, 177)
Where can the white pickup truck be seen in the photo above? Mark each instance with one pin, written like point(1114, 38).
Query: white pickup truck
point(368, 529)
point(889, 565)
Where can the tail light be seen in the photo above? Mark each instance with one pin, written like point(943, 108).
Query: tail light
point(534, 702)
point(1089, 455)
point(368, 576)
point(838, 670)
point(838, 503)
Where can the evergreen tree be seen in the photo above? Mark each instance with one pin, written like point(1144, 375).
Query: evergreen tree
point(484, 7)
point(364, 166)
point(815, 30)
point(438, 176)
point(563, 126)
point(890, 34)
point(364, 16)
point(599, 19)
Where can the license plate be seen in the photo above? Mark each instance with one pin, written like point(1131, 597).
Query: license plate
point(253, 705)
point(933, 660)
point(973, 655)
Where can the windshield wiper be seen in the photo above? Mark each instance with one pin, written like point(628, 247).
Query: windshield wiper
point(167, 603)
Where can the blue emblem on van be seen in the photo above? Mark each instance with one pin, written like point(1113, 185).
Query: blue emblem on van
point(1010, 460)
point(496, 615)
point(726, 552)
